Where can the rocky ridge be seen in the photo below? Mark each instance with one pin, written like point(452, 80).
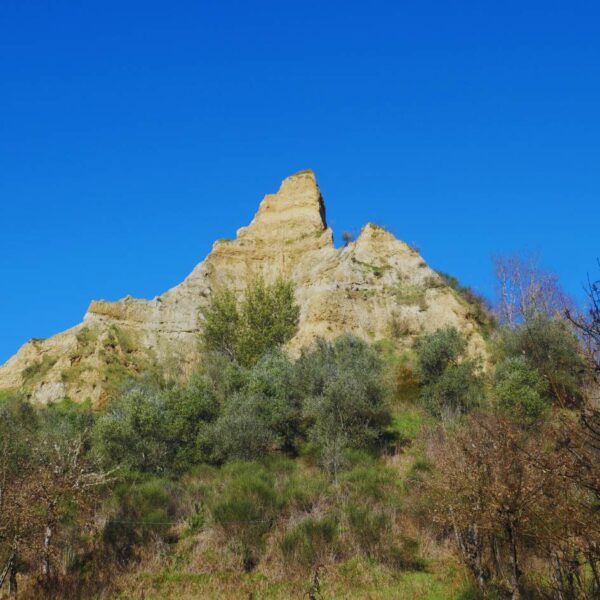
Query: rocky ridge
point(375, 287)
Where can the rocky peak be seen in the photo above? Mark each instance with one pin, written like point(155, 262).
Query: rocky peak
point(376, 287)
point(296, 212)
point(288, 227)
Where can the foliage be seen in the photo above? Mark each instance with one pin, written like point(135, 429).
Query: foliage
point(154, 429)
point(47, 483)
point(550, 347)
point(345, 403)
point(437, 351)
point(260, 410)
point(451, 384)
point(520, 390)
point(265, 319)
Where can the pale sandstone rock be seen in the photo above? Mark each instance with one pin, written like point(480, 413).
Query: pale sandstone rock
point(376, 287)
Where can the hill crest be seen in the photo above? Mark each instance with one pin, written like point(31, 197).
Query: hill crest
point(375, 287)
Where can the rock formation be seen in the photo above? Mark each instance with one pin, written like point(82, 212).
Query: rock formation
point(375, 287)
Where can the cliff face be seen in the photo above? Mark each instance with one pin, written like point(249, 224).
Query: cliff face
point(375, 287)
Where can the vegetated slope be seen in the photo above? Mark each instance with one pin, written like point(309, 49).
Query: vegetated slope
point(375, 287)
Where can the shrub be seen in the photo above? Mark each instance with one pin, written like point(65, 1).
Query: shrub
point(457, 391)
point(274, 381)
point(451, 383)
point(131, 432)
point(241, 432)
point(435, 352)
point(520, 390)
point(265, 319)
point(186, 409)
point(550, 347)
point(261, 412)
point(345, 405)
point(154, 429)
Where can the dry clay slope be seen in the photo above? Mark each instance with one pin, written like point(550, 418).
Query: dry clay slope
point(376, 287)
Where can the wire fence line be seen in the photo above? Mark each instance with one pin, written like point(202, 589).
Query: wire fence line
point(162, 523)
point(144, 523)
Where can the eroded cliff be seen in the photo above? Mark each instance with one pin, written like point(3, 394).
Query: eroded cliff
point(375, 287)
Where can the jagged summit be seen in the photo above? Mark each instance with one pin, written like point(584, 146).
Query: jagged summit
point(375, 287)
point(295, 211)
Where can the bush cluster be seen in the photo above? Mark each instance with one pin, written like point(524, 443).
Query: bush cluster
point(332, 397)
point(451, 381)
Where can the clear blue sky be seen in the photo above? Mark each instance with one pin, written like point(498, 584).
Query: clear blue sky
point(134, 133)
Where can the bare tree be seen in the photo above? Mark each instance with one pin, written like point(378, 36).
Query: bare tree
point(40, 488)
point(525, 290)
point(513, 500)
point(589, 327)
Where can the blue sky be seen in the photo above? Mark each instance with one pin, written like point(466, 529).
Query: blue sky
point(133, 134)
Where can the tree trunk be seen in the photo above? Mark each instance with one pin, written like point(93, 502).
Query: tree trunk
point(515, 571)
point(592, 562)
point(12, 577)
point(46, 555)
point(471, 547)
point(557, 576)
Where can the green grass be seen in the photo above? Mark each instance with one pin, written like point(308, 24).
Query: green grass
point(409, 422)
point(35, 373)
point(352, 579)
point(8, 394)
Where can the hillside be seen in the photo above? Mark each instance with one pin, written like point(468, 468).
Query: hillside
point(375, 287)
point(296, 420)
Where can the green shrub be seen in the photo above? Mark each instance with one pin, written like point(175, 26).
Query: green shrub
point(261, 410)
point(345, 404)
point(131, 432)
point(274, 382)
point(186, 409)
point(451, 382)
point(553, 350)
point(240, 433)
point(438, 350)
point(265, 319)
point(154, 429)
point(67, 418)
point(457, 391)
point(520, 390)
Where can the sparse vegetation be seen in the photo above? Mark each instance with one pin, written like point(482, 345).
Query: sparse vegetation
point(406, 293)
point(36, 371)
